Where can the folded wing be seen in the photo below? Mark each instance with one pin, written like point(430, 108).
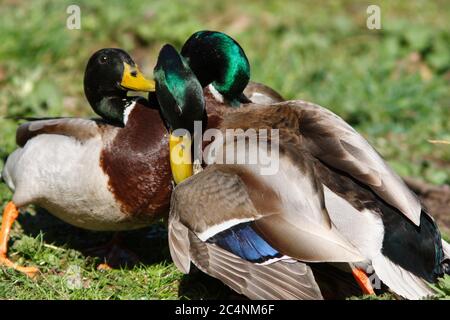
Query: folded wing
point(80, 129)
point(336, 143)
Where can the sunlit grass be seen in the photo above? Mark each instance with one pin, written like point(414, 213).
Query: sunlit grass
point(391, 84)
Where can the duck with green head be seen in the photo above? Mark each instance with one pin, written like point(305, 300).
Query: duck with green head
point(333, 199)
point(108, 174)
point(125, 149)
point(219, 60)
point(222, 68)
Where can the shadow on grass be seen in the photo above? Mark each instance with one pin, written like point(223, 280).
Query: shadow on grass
point(197, 285)
point(149, 244)
point(151, 247)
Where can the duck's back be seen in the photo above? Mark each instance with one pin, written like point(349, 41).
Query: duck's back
point(360, 190)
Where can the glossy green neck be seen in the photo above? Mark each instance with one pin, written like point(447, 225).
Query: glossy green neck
point(219, 60)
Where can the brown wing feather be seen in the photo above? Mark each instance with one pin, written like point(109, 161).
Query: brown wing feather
point(333, 141)
point(212, 197)
point(81, 129)
point(278, 280)
point(224, 193)
point(306, 242)
point(179, 244)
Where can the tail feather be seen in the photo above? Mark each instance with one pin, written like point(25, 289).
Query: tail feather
point(8, 170)
point(7, 174)
point(399, 280)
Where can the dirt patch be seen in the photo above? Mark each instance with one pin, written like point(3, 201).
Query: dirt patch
point(436, 199)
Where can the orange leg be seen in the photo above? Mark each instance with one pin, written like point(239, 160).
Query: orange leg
point(363, 281)
point(10, 215)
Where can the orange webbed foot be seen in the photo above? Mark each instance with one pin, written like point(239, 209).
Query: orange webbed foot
point(363, 281)
point(10, 215)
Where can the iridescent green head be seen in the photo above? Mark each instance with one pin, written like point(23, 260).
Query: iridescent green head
point(218, 59)
point(179, 93)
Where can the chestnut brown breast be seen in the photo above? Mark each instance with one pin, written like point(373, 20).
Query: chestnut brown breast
point(137, 164)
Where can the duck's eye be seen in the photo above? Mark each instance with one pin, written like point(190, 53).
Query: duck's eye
point(103, 59)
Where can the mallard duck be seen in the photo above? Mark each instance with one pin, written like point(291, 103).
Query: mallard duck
point(106, 175)
point(333, 199)
point(222, 68)
point(107, 74)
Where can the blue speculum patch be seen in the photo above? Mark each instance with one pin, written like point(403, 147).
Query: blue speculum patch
point(243, 241)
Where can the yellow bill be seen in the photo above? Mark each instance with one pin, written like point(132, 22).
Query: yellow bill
point(180, 157)
point(133, 79)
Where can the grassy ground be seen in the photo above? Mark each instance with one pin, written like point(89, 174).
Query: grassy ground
point(391, 84)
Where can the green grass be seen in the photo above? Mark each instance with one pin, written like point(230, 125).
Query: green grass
point(66, 272)
point(391, 84)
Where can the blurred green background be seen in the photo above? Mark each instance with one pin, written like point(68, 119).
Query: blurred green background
point(391, 84)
